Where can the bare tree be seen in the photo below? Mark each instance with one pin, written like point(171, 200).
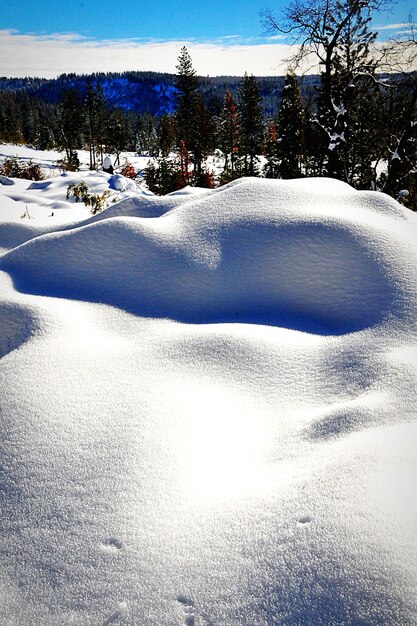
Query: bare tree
point(338, 35)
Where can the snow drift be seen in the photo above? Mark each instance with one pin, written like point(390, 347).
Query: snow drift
point(158, 468)
point(223, 259)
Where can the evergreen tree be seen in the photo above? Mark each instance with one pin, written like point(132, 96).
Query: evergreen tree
point(97, 119)
point(44, 137)
point(343, 84)
point(162, 177)
point(117, 133)
point(203, 139)
point(290, 128)
point(186, 84)
point(229, 135)
point(251, 123)
point(185, 173)
point(271, 150)
point(166, 135)
point(365, 145)
point(338, 33)
point(401, 150)
point(71, 125)
point(90, 117)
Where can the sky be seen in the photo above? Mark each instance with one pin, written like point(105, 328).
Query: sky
point(41, 38)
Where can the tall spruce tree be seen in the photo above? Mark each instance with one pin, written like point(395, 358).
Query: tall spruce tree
point(203, 138)
point(229, 136)
point(71, 125)
point(97, 119)
point(290, 129)
point(90, 117)
point(251, 123)
point(186, 84)
point(401, 151)
point(117, 133)
point(166, 136)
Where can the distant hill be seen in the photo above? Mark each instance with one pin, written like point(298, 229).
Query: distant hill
point(150, 92)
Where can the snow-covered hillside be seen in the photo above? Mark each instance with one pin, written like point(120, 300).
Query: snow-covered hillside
point(208, 407)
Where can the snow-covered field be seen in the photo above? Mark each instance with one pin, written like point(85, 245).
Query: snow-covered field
point(208, 406)
point(48, 159)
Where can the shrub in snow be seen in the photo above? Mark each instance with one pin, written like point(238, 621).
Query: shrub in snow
point(13, 168)
point(162, 178)
point(205, 179)
point(80, 192)
point(96, 201)
point(69, 164)
point(128, 170)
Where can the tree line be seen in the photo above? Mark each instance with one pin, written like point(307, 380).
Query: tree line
point(358, 123)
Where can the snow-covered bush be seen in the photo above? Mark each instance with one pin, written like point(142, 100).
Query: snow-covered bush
point(96, 201)
point(79, 191)
point(13, 168)
point(128, 170)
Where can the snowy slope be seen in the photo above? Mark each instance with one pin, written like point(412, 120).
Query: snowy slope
point(208, 410)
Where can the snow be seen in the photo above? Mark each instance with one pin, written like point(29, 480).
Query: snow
point(208, 406)
point(107, 162)
point(48, 159)
point(190, 191)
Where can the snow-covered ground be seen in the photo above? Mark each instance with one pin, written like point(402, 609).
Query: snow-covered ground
point(208, 407)
point(48, 159)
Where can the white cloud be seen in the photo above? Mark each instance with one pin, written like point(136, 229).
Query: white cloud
point(404, 25)
point(50, 55)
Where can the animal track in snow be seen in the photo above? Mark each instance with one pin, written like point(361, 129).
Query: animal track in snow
point(112, 544)
point(188, 606)
point(121, 611)
point(306, 519)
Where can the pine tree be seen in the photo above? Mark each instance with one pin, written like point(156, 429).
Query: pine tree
point(117, 133)
point(401, 150)
point(290, 128)
point(166, 135)
point(90, 120)
point(97, 120)
point(338, 33)
point(271, 150)
point(187, 97)
point(344, 84)
point(229, 135)
point(44, 137)
point(203, 138)
point(185, 173)
point(71, 125)
point(162, 177)
point(251, 123)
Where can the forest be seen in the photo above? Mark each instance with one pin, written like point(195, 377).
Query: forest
point(356, 121)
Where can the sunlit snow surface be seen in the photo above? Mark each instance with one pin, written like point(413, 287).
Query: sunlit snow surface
point(208, 409)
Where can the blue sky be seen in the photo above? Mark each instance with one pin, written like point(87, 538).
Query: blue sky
point(162, 19)
point(43, 38)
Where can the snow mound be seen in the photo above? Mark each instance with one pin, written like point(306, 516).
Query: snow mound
point(250, 253)
point(40, 184)
point(162, 473)
point(4, 180)
point(191, 191)
point(17, 324)
point(107, 162)
point(18, 321)
point(121, 183)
